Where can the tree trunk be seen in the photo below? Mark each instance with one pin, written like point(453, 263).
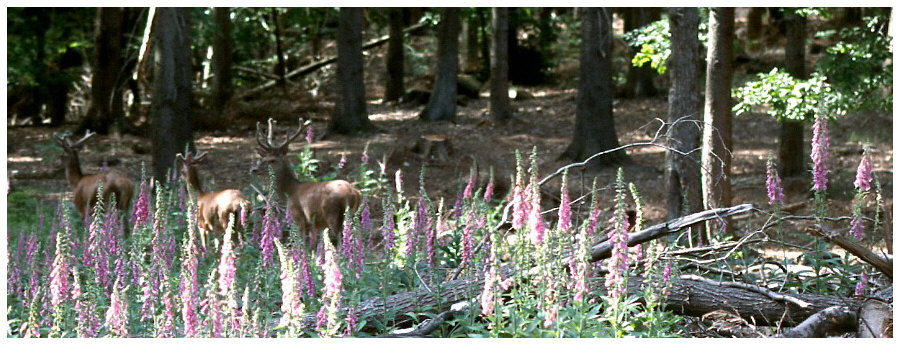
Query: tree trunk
point(485, 44)
point(717, 139)
point(172, 97)
point(280, 68)
point(546, 31)
point(442, 103)
point(639, 80)
point(595, 130)
point(790, 138)
point(682, 171)
point(350, 116)
point(223, 47)
point(754, 22)
point(106, 109)
point(470, 37)
point(499, 68)
point(394, 87)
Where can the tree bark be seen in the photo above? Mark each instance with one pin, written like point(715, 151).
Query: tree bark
point(832, 319)
point(682, 171)
point(500, 111)
point(754, 22)
point(790, 137)
point(172, 91)
point(106, 108)
point(280, 68)
point(394, 87)
point(595, 130)
point(717, 139)
point(470, 37)
point(442, 103)
point(350, 116)
point(223, 46)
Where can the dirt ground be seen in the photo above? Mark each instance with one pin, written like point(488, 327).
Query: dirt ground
point(545, 122)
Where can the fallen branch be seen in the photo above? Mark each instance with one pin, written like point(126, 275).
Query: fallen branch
point(314, 66)
point(430, 325)
point(604, 249)
point(754, 288)
point(832, 319)
point(877, 261)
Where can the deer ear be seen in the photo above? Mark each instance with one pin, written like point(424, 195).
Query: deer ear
point(262, 152)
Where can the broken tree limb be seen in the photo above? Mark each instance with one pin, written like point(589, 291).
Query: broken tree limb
point(877, 261)
point(314, 66)
point(832, 319)
point(754, 288)
point(604, 249)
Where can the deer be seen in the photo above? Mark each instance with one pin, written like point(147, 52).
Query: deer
point(313, 205)
point(213, 208)
point(84, 186)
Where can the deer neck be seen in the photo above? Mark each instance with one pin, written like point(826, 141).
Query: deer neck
point(73, 169)
point(285, 182)
point(194, 180)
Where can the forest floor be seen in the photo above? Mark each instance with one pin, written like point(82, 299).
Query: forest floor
point(545, 121)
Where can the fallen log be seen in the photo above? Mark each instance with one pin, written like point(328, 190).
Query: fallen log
point(685, 296)
point(314, 66)
point(830, 320)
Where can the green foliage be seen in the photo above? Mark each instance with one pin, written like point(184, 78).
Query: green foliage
point(860, 67)
point(788, 98)
point(37, 36)
point(654, 44)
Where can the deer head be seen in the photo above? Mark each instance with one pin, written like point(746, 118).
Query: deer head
point(188, 164)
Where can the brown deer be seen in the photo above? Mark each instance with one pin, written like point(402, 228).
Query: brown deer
point(84, 187)
point(313, 205)
point(213, 208)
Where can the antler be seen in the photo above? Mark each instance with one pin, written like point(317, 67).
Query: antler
point(65, 139)
point(188, 158)
point(269, 145)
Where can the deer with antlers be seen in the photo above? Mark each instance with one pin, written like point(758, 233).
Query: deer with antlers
point(213, 208)
point(84, 186)
point(313, 205)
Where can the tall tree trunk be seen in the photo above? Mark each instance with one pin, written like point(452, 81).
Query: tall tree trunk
point(223, 47)
point(790, 138)
point(442, 104)
point(682, 172)
point(470, 37)
point(754, 22)
point(546, 31)
point(350, 115)
point(106, 108)
point(280, 68)
point(394, 87)
point(639, 80)
point(172, 89)
point(717, 140)
point(499, 67)
point(595, 130)
point(484, 43)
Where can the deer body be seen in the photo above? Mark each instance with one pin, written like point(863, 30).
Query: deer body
point(313, 205)
point(213, 208)
point(84, 186)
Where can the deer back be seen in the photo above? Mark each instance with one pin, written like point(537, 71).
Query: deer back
point(324, 203)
